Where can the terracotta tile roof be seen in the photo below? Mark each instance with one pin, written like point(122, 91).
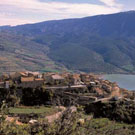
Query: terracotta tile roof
point(57, 77)
point(27, 79)
point(33, 73)
point(23, 74)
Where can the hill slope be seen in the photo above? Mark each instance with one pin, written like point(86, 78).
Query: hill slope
point(103, 43)
point(18, 53)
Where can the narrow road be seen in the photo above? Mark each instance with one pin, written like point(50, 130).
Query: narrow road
point(106, 99)
point(66, 87)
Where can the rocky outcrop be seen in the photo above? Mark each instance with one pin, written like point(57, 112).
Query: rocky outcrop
point(65, 125)
point(54, 117)
point(68, 121)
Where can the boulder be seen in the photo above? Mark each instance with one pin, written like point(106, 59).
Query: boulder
point(33, 121)
point(81, 121)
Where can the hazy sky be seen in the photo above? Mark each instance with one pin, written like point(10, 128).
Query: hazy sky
point(14, 12)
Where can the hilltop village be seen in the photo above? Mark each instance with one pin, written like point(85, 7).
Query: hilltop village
point(80, 88)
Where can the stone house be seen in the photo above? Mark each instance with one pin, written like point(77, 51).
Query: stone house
point(17, 76)
point(85, 78)
point(75, 79)
point(34, 74)
point(54, 79)
point(57, 79)
point(31, 82)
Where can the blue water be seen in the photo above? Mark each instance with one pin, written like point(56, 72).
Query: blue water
point(124, 81)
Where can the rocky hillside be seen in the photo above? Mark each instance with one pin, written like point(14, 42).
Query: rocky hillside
point(71, 122)
point(91, 44)
point(18, 53)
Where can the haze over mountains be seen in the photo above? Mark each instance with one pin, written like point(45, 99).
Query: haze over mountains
point(103, 43)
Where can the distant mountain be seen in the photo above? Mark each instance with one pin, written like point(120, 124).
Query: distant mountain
point(4, 27)
point(103, 43)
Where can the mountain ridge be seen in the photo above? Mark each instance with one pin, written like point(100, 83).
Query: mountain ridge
point(102, 43)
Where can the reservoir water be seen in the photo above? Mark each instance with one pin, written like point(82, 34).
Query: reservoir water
point(124, 81)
